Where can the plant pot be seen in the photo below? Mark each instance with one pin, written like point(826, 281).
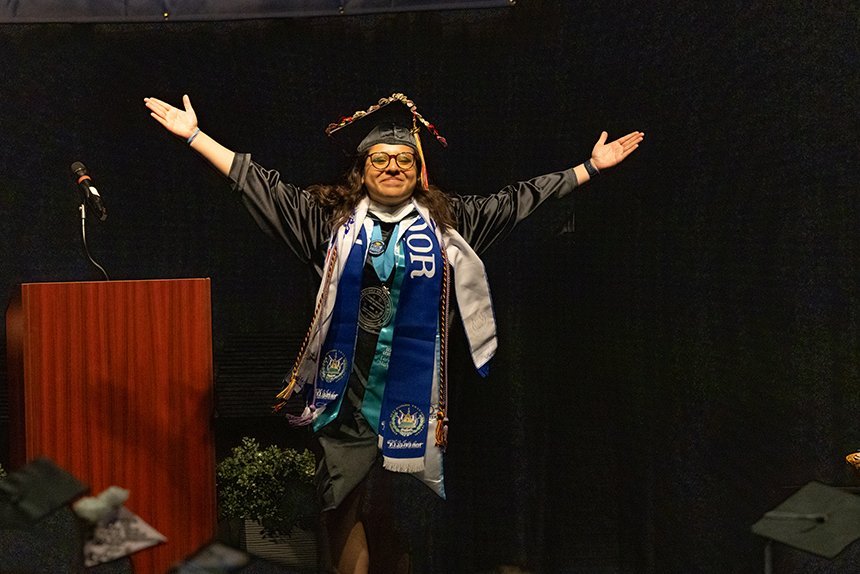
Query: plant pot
point(298, 550)
point(231, 531)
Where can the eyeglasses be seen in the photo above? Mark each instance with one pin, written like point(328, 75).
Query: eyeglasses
point(381, 160)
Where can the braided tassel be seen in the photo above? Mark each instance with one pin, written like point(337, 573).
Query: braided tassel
point(283, 396)
point(441, 415)
point(441, 430)
point(425, 182)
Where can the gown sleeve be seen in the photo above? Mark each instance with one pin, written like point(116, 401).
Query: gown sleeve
point(282, 210)
point(482, 220)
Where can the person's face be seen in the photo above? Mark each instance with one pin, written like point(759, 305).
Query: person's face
point(391, 185)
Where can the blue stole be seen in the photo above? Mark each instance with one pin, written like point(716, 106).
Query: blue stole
point(339, 348)
point(402, 413)
point(405, 413)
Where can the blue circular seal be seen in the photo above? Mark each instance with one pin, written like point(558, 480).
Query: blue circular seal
point(377, 247)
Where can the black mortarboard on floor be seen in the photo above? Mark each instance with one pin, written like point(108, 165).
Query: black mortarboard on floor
point(218, 558)
point(34, 491)
point(819, 519)
point(38, 530)
point(393, 120)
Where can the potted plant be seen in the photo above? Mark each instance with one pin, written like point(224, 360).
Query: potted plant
point(272, 487)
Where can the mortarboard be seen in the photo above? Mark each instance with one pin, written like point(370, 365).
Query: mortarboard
point(34, 491)
point(393, 120)
point(818, 519)
point(218, 558)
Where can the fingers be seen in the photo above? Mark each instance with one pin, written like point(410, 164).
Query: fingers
point(631, 139)
point(157, 105)
point(602, 139)
point(629, 143)
point(176, 120)
point(160, 120)
point(608, 155)
point(628, 151)
point(158, 109)
point(631, 135)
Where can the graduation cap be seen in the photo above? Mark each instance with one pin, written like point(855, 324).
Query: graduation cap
point(818, 519)
point(38, 531)
point(393, 120)
point(35, 491)
point(218, 558)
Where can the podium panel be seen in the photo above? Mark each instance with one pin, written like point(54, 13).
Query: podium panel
point(113, 381)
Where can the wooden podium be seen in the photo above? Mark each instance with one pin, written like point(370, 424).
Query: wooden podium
point(113, 381)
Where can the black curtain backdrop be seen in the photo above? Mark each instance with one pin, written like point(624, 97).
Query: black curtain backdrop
point(675, 359)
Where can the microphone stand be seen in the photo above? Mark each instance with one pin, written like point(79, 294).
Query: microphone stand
point(83, 210)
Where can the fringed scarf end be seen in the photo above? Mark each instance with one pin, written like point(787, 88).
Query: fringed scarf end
point(403, 464)
point(303, 420)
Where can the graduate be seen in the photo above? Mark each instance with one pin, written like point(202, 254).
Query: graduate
point(396, 257)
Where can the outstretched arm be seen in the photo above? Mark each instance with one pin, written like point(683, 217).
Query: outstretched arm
point(183, 123)
point(605, 155)
point(482, 220)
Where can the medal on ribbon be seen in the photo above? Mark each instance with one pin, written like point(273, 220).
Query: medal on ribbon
point(375, 309)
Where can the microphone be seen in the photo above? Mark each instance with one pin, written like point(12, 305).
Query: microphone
point(89, 190)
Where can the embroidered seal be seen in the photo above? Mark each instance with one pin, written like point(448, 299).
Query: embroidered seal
point(374, 311)
point(407, 420)
point(333, 366)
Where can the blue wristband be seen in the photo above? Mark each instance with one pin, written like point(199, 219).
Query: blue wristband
point(589, 167)
point(192, 136)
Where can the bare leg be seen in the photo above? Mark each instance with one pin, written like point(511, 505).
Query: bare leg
point(354, 558)
point(346, 536)
point(387, 543)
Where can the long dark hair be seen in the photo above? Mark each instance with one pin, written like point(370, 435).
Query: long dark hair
point(341, 198)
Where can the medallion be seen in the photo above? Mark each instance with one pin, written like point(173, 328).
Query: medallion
point(374, 310)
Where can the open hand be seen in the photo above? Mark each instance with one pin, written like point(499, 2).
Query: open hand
point(179, 122)
point(606, 155)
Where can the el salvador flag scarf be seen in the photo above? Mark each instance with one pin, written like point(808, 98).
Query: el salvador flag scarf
point(410, 399)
